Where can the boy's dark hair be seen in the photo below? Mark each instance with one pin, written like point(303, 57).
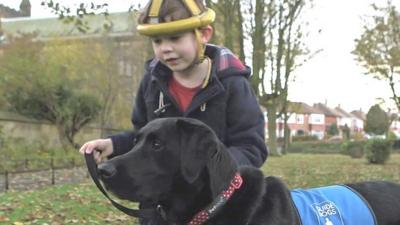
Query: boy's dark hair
point(171, 10)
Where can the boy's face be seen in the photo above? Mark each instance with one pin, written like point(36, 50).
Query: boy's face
point(177, 52)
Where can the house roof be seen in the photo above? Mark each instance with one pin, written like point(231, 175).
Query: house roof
point(343, 112)
point(120, 23)
point(359, 114)
point(302, 108)
point(7, 12)
point(327, 111)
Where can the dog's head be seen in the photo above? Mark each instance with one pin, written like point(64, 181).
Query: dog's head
point(168, 154)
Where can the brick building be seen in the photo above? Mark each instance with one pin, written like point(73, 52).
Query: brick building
point(24, 10)
point(129, 52)
point(303, 120)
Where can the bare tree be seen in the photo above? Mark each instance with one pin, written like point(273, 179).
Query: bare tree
point(229, 25)
point(278, 46)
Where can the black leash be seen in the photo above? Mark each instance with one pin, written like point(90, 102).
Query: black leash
point(139, 213)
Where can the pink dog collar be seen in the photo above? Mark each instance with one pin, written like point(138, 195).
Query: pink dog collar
point(221, 199)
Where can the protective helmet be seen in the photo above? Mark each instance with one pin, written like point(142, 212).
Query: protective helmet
point(197, 19)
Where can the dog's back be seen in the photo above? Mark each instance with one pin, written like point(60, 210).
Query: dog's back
point(334, 204)
point(384, 199)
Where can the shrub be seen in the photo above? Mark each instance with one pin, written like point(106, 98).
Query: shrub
point(391, 136)
point(317, 147)
point(378, 150)
point(396, 145)
point(332, 130)
point(377, 121)
point(304, 138)
point(355, 149)
point(358, 136)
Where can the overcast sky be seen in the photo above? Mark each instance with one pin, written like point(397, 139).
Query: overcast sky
point(332, 76)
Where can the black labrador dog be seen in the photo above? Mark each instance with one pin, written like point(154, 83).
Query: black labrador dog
point(180, 165)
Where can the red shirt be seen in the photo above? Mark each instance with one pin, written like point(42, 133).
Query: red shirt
point(183, 95)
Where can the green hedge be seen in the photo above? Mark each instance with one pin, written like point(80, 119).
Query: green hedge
point(307, 138)
point(354, 149)
point(320, 147)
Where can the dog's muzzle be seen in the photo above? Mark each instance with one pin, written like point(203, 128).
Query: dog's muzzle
point(106, 170)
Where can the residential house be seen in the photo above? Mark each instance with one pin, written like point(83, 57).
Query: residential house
point(24, 10)
point(395, 125)
point(395, 128)
point(359, 118)
point(306, 120)
point(346, 119)
point(303, 120)
point(332, 117)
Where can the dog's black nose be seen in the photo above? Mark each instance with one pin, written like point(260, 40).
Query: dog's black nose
point(106, 170)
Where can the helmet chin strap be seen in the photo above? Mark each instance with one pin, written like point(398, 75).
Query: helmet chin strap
point(200, 47)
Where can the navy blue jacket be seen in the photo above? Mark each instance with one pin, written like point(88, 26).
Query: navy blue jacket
point(227, 104)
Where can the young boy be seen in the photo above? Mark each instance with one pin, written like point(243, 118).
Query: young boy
point(190, 78)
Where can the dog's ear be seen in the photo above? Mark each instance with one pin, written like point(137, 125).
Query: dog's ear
point(197, 143)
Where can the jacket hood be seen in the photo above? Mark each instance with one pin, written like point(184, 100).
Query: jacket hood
point(225, 63)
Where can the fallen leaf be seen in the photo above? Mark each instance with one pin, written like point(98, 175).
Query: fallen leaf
point(4, 219)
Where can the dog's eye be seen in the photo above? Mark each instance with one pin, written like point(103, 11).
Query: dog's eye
point(135, 141)
point(156, 145)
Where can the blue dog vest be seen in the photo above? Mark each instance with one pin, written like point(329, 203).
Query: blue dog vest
point(332, 205)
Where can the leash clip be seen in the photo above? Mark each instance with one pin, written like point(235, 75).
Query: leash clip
point(161, 211)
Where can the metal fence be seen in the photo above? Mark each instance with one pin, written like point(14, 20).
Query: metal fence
point(26, 179)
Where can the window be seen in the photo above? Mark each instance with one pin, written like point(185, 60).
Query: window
point(300, 119)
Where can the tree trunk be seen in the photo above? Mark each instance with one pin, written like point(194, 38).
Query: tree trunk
point(286, 136)
point(240, 25)
point(272, 143)
point(259, 48)
point(228, 24)
point(65, 144)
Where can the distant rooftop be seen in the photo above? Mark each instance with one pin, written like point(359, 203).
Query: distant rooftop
point(302, 108)
point(359, 114)
point(24, 10)
point(327, 110)
point(343, 112)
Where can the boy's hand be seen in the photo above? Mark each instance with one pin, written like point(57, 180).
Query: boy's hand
point(101, 148)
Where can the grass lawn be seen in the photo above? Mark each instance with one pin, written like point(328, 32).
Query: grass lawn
point(84, 204)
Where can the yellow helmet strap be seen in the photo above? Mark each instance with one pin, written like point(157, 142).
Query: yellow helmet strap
point(155, 8)
point(192, 6)
point(200, 46)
